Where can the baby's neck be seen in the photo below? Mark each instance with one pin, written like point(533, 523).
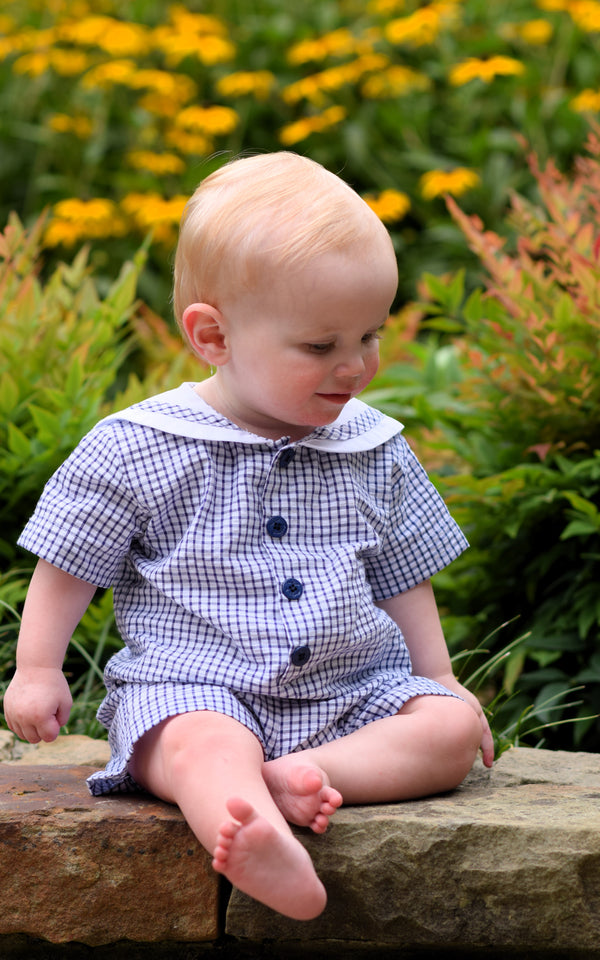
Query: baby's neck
point(208, 390)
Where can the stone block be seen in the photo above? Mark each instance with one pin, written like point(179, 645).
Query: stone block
point(98, 870)
point(69, 750)
point(508, 862)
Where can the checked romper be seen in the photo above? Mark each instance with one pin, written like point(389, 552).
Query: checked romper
point(245, 569)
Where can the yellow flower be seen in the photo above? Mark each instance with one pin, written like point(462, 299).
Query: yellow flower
point(107, 74)
point(26, 40)
point(97, 209)
point(193, 35)
point(586, 14)
point(311, 88)
point(553, 4)
point(75, 220)
point(390, 205)
point(117, 37)
point(159, 104)
point(79, 124)
point(174, 88)
point(192, 144)
point(301, 129)
point(161, 164)
point(174, 85)
point(536, 32)
point(33, 64)
point(63, 233)
point(475, 69)
point(386, 7)
point(152, 213)
point(258, 83)
point(215, 120)
point(209, 49)
point(200, 23)
point(423, 26)
point(458, 181)
point(68, 63)
point(338, 43)
point(588, 101)
point(395, 82)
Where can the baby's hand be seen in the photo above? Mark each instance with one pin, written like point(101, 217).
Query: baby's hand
point(37, 703)
point(487, 740)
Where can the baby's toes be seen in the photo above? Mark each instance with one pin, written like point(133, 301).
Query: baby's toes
point(228, 830)
point(320, 823)
point(332, 798)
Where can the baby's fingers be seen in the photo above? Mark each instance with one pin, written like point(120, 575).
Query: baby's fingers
point(487, 742)
point(34, 728)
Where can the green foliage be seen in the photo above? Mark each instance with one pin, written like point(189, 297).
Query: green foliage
point(524, 430)
point(61, 350)
point(66, 352)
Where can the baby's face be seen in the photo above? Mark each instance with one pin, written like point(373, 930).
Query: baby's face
point(305, 343)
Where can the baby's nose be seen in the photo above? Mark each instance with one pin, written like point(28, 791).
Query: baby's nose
point(351, 367)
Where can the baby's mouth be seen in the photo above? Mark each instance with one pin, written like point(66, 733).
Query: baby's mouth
point(335, 397)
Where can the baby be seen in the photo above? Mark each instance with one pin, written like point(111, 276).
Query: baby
point(270, 540)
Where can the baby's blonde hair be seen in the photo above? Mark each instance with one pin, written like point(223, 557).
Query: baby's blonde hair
point(259, 213)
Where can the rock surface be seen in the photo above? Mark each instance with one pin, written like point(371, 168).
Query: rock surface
point(71, 750)
point(509, 863)
point(95, 870)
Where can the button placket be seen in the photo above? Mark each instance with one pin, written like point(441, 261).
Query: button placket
point(291, 588)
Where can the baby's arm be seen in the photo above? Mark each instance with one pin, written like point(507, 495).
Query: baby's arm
point(416, 613)
point(38, 701)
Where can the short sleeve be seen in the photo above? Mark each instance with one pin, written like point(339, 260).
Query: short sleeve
point(86, 518)
point(421, 538)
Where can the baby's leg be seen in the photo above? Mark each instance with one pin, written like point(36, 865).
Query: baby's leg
point(428, 747)
point(206, 763)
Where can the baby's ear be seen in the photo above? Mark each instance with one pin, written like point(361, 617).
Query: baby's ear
point(204, 327)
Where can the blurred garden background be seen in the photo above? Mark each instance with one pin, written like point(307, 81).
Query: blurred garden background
point(470, 127)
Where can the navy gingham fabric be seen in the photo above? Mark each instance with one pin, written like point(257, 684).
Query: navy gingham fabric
point(245, 570)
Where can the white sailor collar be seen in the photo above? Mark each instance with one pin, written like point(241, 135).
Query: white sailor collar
point(183, 413)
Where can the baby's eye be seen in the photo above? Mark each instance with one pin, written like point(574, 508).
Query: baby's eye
point(319, 347)
point(373, 335)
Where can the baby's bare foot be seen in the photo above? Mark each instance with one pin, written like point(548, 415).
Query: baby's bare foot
point(270, 866)
point(301, 791)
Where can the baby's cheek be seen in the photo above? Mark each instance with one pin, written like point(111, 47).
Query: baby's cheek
point(371, 367)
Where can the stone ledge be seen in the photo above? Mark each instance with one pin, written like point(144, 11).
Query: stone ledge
point(509, 864)
point(94, 870)
point(510, 860)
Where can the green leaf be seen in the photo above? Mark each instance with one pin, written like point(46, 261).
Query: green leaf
point(514, 669)
point(47, 423)
point(581, 528)
point(9, 394)
point(74, 379)
point(548, 701)
point(581, 504)
point(17, 442)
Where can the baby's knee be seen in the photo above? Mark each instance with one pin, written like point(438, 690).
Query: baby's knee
point(460, 738)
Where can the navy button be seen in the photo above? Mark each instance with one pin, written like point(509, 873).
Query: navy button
point(276, 527)
point(300, 656)
point(292, 588)
point(286, 457)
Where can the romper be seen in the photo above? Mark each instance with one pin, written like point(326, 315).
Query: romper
point(246, 570)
